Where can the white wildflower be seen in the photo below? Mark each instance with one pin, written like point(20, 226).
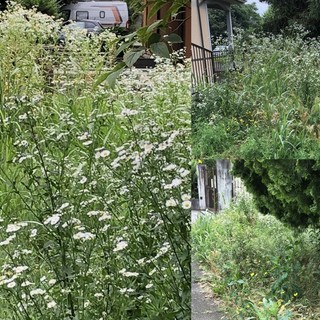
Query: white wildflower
point(170, 167)
point(11, 284)
point(120, 246)
point(186, 204)
point(129, 112)
point(104, 153)
point(185, 197)
point(183, 172)
point(52, 282)
point(26, 283)
point(87, 143)
point(84, 236)
point(141, 261)
point(15, 226)
point(37, 292)
point(20, 269)
point(152, 272)
point(23, 116)
point(53, 220)
point(105, 216)
point(52, 304)
point(176, 182)
point(8, 240)
point(171, 203)
point(93, 213)
point(33, 233)
point(130, 274)
point(63, 206)
point(84, 136)
point(83, 180)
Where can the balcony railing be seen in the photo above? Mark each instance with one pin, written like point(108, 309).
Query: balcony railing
point(202, 65)
point(207, 66)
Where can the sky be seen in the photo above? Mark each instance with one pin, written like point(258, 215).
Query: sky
point(262, 6)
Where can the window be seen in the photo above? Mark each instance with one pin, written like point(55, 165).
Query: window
point(80, 15)
point(102, 14)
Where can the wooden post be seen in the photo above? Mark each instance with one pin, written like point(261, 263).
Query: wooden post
point(202, 179)
point(224, 184)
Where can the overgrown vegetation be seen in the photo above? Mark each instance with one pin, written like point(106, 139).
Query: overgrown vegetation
point(267, 106)
point(261, 268)
point(285, 188)
point(282, 14)
point(94, 180)
point(244, 17)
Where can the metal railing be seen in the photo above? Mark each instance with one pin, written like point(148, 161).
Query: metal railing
point(207, 66)
point(202, 65)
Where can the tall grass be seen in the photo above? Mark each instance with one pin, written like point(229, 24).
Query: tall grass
point(94, 181)
point(269, 106)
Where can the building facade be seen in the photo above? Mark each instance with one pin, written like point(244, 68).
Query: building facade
point(204, 69)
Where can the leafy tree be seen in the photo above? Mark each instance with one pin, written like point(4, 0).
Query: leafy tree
point(50, 7)
point(288, 189)
point(282, 14)
point(243, 16)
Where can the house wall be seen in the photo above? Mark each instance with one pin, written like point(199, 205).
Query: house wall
point(200, 34)
point(181, 25)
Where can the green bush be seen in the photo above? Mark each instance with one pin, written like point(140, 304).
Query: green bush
point(261, 268)
point(286, 188)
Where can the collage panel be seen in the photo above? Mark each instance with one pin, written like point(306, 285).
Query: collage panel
point(255, 159)
point(95, 145)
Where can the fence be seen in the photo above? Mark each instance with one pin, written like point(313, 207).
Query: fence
point(207, 66)
point(202, 66)
point(216, 188)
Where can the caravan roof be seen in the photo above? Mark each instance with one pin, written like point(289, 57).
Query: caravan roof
point(109, 13)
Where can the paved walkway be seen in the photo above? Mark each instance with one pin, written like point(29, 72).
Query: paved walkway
point(203, 305)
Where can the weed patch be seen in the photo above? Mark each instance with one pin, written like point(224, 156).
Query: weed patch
point(260, 267)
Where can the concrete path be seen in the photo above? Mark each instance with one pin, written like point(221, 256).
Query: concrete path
point(203, 305)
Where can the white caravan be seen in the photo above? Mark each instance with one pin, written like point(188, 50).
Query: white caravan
point(108, 13)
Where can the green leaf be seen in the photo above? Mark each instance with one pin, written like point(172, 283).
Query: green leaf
point(124, 46)
point(160, 49)
point(141, 32)
point(113, 76)
point(155, 8)
point(173, 38)
point(131, 57)
point(154, 38)
point(108, 75)
point(154, 25)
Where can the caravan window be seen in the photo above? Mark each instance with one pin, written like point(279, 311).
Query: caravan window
point(80, 15)
point(102, 14)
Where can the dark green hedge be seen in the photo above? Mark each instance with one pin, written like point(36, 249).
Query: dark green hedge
point(288, 189)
